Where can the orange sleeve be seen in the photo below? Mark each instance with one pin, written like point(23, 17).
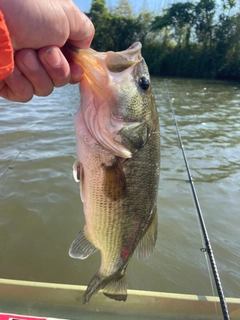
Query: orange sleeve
point(6, 50)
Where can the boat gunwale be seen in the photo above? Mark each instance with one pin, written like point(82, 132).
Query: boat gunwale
point(173, 305)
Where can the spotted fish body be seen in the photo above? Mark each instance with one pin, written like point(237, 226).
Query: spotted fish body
point(117, 166)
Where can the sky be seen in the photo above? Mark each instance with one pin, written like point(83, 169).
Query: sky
point(151, 5)
point(155, 6)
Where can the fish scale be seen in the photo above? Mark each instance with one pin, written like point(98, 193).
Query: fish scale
point(118, 155)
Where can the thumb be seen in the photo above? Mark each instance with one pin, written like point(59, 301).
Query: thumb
point(81, 29)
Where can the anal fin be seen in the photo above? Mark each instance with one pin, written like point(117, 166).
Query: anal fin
point(148, 242)
point(81, 247)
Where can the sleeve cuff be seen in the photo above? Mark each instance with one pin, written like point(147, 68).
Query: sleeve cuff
point(6, 50)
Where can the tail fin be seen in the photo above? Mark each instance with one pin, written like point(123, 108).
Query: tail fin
point(114, 287)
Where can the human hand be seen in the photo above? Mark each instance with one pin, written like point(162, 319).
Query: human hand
point(39, 29)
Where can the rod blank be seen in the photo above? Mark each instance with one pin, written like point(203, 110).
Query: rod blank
point(201, 219)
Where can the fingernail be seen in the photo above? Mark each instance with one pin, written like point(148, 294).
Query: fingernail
point(30, 61)
point(53, 58)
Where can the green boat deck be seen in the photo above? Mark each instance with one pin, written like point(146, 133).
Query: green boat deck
point(64, 301)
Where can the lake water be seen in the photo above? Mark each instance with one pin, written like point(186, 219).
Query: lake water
point(41, 211)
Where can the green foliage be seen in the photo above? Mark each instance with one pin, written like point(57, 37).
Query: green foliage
point(124, 9)
point(101, 20)
point(189, 39)
point(205, 10)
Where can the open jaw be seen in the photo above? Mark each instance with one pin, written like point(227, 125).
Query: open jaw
point(104, 74)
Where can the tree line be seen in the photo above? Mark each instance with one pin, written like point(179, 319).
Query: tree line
point(189, 39)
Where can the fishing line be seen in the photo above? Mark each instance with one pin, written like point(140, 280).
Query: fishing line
point(10, 165)
point(208, 248)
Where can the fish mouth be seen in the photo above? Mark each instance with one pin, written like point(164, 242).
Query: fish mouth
point(134, 49)
point(120, 61)
point(98, 66)
point(111, 61)
point(103, 73)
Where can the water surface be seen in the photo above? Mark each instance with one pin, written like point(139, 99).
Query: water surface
point(41, 211)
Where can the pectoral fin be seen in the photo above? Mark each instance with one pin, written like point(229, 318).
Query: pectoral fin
point(81, 247)
point(148, 242)
point(76, 171)
point(114, 181)
point(78, 175)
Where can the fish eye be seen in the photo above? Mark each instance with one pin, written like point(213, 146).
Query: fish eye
point(144, 83)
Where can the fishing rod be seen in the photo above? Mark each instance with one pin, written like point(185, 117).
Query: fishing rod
point(201, 219)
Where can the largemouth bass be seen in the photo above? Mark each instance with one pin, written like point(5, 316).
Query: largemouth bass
point(118, 163)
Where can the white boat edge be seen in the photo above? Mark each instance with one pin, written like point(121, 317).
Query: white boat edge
point(151, 303)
